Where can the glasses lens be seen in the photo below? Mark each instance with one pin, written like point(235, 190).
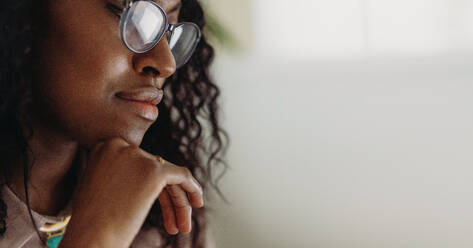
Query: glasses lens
point(183, 41)
point(144, 24)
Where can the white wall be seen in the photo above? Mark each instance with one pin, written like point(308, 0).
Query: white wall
point(347, 28)
point(352, 138)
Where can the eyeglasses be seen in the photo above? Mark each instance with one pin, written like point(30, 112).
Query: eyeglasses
point(144, 23)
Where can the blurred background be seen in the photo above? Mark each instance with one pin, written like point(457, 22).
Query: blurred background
point(350, 122)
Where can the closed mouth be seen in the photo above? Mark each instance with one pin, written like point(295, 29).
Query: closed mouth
point(150, 95)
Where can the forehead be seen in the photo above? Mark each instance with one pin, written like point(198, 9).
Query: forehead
point(166, 4)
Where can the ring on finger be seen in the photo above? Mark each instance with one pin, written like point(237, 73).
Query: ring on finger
point(161, 160)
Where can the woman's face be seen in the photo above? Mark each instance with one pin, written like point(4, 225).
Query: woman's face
point(84, 65)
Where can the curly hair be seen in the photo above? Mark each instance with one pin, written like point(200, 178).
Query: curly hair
point(188, 114)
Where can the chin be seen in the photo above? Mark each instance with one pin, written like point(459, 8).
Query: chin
point(133, 138)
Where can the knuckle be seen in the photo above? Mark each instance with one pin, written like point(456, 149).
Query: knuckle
point(115, 140)
point(186, 172)
point(184, 205)
point(152, 167)
point(113, 143)
point(158, 164)
point(132, 148)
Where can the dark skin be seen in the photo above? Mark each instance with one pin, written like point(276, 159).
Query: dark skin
point(83, 65)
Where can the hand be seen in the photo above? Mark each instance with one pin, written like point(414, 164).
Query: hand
point(116, 190)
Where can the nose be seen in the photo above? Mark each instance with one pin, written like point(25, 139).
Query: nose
point(157, 63)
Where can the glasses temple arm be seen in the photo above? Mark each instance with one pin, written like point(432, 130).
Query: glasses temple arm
point(124, 3)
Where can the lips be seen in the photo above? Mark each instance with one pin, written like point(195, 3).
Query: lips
point(150, 95)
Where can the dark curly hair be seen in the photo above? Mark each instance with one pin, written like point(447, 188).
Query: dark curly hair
point(188, 114)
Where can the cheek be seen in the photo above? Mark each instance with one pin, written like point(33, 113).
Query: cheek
point(83, 55)
point(82, 61)
point(93, 62)
point(82, 52)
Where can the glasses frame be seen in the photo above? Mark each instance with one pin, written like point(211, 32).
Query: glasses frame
point(126, 4)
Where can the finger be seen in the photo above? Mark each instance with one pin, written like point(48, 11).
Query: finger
point(181, 175)
point(197, 196)
point(168, 213)
point(182, 207)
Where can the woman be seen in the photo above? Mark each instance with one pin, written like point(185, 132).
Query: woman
point(82, 146)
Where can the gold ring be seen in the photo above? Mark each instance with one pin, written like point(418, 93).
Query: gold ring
point(161, 160)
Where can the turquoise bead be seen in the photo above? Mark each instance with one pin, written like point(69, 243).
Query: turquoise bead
point(53, 242)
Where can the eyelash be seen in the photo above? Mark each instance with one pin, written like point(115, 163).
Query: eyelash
point(115, 9)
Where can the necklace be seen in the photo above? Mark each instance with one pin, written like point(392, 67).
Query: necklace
point(55, 231)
